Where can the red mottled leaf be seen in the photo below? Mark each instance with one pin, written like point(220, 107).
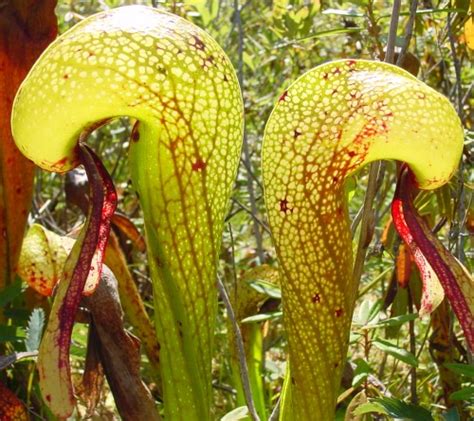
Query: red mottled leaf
point(42, 258)
point(41, 263)
point(432, 258)
point(86, 257)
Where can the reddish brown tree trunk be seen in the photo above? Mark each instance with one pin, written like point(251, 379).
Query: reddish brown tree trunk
point(26, 29)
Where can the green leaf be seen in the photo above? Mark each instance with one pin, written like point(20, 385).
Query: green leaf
point(393, 321)
point(18, 315)
point(463, 394)
point(78, 351)
point(331, 32)
point(208, 10)
point(358, 400)
point(451, 415)
point(363, 314)
point(239, 413)
point(262, 317)
point(79, 339)
point(463, 369)
point(34, 330)
point(368, 311)
point(434, 11)
point(368, 408)
point(340, 12)
point(350, 187)
point(11, 333)
point(11, 292)
point(396, 352)
point(266, 288)
point(399, 308)
point(361, 372)
point(395, 408)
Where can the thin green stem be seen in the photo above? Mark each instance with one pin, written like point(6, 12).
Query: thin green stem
point(246, 148)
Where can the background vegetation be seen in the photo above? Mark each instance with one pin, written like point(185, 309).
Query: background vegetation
point(393, 354)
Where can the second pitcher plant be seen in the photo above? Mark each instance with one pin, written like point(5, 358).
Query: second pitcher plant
point(328, 124)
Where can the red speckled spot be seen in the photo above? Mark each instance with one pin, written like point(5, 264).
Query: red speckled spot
point(283, 96)
point(199, 165)
point(284, 206)
point(316, 298)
